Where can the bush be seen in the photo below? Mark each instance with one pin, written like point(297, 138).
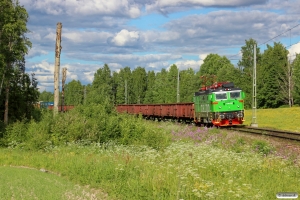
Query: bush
point(15, 134)
point(89, 124)
point(284, 106)
point(262, 147)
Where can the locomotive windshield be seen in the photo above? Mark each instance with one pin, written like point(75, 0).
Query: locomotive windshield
point(221, 96)
point(235, 95)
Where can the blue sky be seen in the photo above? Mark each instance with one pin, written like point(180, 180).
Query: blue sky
point(150, 33)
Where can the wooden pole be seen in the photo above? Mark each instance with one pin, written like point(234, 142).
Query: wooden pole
point(57, 67)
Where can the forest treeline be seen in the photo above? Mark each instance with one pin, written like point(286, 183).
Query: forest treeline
point(278, 80)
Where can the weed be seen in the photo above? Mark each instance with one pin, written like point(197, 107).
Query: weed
point(262, 147)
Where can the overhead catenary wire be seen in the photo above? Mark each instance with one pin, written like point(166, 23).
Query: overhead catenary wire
point(279, 35)
point(263, 43)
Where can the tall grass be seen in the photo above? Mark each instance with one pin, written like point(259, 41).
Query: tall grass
point(27, 184)
point(182, 170)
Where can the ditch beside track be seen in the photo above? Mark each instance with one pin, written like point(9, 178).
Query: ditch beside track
point(270, 132)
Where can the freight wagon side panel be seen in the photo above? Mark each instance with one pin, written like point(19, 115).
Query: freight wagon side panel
point(185, 110)
point(157, 110)
point(174, 110)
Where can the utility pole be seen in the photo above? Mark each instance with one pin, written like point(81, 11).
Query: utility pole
point(178, 95)
point(84, 95)
point(290, 84)
point(64, 72)
point(254, 119)
point(125, 92)
point(57, 66)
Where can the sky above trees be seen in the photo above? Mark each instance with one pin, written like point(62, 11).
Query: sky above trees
point(151, 33)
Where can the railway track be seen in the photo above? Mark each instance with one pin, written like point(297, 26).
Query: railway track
point(270, 132)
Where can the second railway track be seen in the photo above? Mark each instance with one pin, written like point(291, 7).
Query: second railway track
point(270, 132)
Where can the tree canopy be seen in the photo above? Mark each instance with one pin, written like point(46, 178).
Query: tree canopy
point(16, 85)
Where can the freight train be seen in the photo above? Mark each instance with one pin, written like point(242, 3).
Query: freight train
point(220, 104)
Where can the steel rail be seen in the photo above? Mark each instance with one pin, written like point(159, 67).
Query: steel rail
point(270, 132)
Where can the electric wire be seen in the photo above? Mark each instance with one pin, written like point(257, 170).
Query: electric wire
point(269, 41)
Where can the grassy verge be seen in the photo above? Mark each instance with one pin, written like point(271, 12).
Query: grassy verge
point(280, 118)
point(200, 163)
point(24, 183)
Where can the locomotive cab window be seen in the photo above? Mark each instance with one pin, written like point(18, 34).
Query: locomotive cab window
point(235, 95)
point(221, 96)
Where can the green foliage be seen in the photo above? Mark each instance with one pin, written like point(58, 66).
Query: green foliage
point(170, 90)
point(46, 96)
point(212, 64)
point(160, 87)
point(123, 81)
point(85, 124)
point(74, 93)
point(262, 147)
point(188, 85)
point(245, 65)
point(272, 74)
point(139, 81)
point(16, 133)
point(20, 92)
point(101, 89)
point(296, 78)
point(149, 95)
point(22, 95)
point(239, 145)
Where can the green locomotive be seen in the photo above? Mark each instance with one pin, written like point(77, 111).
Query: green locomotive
point(220, 104)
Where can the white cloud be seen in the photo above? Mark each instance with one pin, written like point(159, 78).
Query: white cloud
point(126, 38)
point(194, 64)
point(293, 50)
point(85, 7)
point(51, 36)
point(36, 51)
point(86, 36)
point(166, 6)
point(44, 72)
point(89, 76)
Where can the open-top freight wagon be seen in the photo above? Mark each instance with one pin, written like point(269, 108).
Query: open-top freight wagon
point(220, 104)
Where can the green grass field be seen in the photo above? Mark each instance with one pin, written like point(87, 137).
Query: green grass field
point(182, 171)
point(27, 184)
point(280, 118)
point(200, 163)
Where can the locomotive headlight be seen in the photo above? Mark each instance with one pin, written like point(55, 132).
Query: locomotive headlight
point(238, 106)
point(220, 107)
